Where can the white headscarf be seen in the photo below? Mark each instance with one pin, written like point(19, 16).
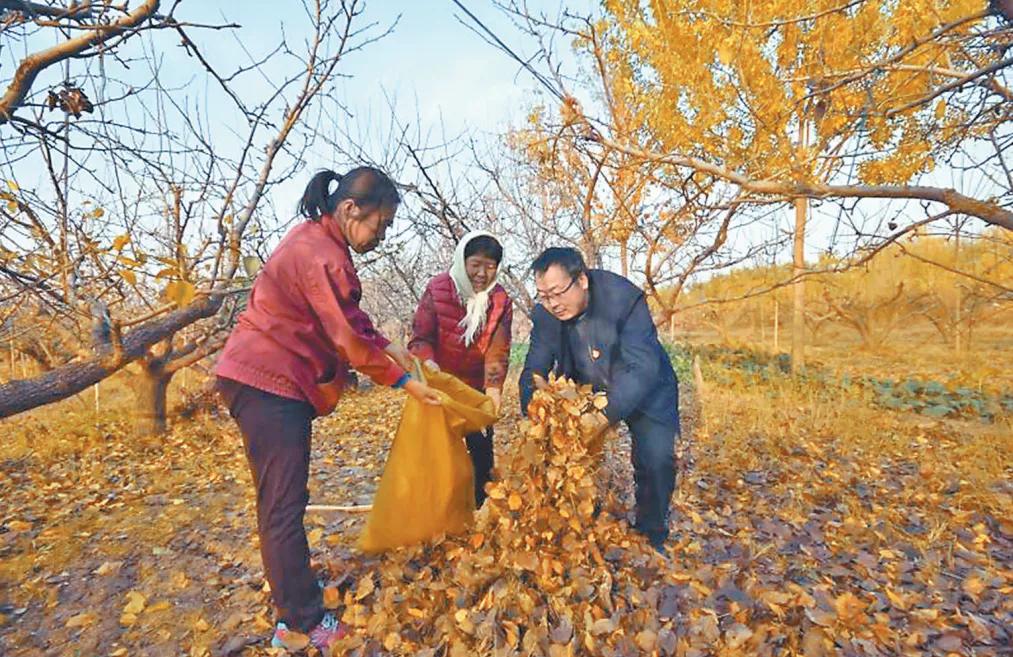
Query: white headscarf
point(476, 303)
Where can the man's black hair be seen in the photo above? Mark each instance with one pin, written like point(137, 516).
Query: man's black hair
point(568, 258)
point(484, 245)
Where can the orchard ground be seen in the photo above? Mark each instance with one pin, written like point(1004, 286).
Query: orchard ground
point(862, 529)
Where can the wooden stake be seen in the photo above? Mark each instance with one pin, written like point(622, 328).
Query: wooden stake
point(698, 377)
point(360, 508)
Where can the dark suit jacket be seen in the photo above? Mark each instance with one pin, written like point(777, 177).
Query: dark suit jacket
point(613, 346)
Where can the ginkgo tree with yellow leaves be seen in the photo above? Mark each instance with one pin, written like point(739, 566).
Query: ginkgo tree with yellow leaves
point(789, 101)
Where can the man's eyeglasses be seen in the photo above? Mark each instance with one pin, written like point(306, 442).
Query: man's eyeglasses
point(546, 297)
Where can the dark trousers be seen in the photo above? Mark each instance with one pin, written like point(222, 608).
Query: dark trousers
point(653, 458)
point(276, 434)
point(480, 450)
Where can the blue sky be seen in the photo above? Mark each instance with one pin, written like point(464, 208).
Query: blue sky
point(430, 58)
point(441, 74)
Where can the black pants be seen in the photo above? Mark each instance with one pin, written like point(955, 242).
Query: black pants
point(276, 434)
point(653, 458)
point(480, 450)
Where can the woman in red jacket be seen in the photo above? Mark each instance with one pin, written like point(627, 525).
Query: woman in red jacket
point(288, 359)
point(462, 326)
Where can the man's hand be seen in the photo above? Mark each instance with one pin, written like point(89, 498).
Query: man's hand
point(496, 395)
point(400, 355)
point(422, 392)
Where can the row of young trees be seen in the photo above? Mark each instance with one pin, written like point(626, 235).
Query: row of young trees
point(671, 141)
point(910, 286)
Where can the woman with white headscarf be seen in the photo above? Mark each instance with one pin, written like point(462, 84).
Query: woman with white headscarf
point(462, 326)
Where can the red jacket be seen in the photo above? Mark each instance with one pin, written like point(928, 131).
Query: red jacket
point(437, 335)
point(302, 328)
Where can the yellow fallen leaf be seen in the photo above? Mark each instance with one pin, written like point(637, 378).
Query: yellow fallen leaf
point(108, 568)
point(159, 606)
point(392, 641)
point(261, 624)
point(973, 586)
point(180, 580)
point(18, 526)
point(514, 502)
point(850, 609)
point(366, 586)
point(81, 620)
point(332, 599)
point(126, 620)
point(897, 600)
point(135, 603)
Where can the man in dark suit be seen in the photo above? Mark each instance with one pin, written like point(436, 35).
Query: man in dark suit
point(594, 327)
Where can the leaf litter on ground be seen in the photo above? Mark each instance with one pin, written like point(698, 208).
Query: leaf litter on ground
point(786, 539)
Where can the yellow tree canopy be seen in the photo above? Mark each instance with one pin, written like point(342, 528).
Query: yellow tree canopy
point(789, 98)
point(732, 81)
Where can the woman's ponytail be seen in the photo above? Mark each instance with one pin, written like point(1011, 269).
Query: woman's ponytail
point(316, 200)
point(367, 186)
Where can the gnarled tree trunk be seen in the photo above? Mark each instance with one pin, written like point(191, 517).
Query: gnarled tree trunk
point(151, 397)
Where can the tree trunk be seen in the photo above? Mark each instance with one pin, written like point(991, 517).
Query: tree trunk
point(777, 327)
point(798, 289)
point(72, 378)
point(151, 397)
point(956, 286)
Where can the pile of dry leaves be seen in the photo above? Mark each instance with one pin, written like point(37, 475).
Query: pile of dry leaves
point(543, 572)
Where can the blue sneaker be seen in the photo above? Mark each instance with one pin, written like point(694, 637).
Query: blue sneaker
point(281, 632)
